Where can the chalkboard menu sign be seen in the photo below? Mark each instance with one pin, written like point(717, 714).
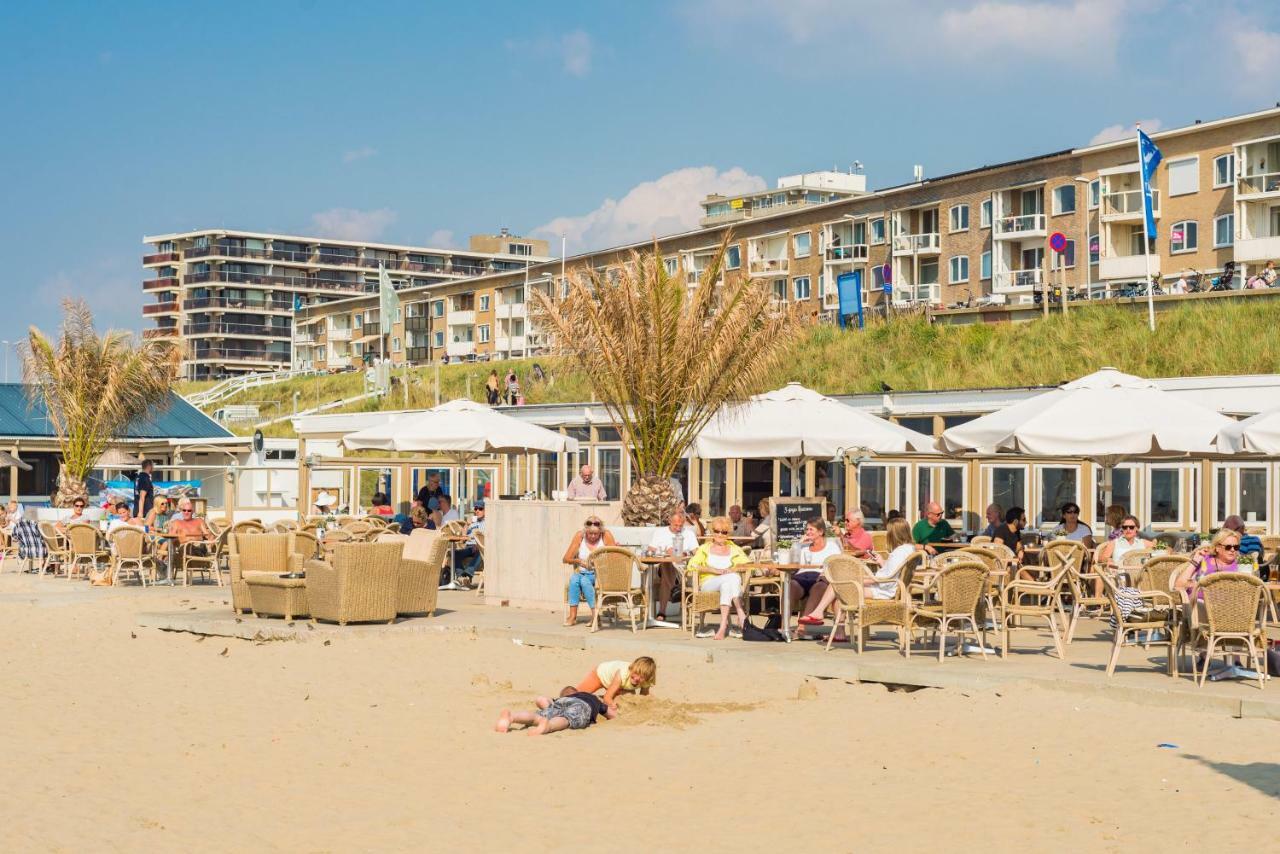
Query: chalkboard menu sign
point(789, 516)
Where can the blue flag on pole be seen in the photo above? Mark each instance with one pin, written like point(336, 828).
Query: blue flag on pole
point(1150, 160)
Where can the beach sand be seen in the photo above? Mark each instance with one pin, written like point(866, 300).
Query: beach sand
point(120, 738)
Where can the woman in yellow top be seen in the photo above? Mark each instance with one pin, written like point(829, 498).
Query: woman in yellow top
point(717, 558)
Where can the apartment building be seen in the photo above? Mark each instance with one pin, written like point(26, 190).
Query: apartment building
point(792, 191)
point(228, 297)
point(977, 237)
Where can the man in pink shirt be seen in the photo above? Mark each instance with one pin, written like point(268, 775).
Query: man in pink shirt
point(856, 538)
point(585, 487)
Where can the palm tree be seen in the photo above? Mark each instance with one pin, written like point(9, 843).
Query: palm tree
point(92, 387)
point(663, 356)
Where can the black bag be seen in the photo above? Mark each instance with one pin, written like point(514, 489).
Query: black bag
point(752, 632)
point(1273, 659)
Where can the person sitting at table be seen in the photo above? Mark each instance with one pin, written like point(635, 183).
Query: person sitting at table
point(901, 547)
point(444, 512)
point(693, 516)
point(676, 538)
point(815, 547)
point(77, 516)
point(717, 557)
point(1112, 519)
point(856, 539)
point(932, 528)
point(1221, 555)
point(995, 518)
point(188, 527)
point(1072, 528)
point(1010, 533)
point(1113, 552)
point(469, 558)
point(582, 582)
point(763, 531)
point(380, 505)
point(161, 512)
point(1250, 544)
point(121, 515)
point(741, 524)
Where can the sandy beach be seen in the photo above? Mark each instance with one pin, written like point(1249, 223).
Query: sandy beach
point(119, 738)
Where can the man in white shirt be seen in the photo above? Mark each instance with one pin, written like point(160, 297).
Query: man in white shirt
point(675, 538)
point(445, 513)
point(585, 487)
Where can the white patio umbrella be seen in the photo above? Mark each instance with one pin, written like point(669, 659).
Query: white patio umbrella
point(461, 430)
point(1259, 434)
point(797, 424)
point(1105, 417)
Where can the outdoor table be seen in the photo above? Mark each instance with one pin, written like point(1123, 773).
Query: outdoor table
point(156, 537)
point(454, 540)
point(648, 563)
point(949, 545)
point(786, 570)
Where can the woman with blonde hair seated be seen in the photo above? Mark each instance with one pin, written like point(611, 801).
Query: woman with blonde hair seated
point(717, 558)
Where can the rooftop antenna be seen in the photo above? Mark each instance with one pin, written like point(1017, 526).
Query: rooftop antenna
point(918, 172)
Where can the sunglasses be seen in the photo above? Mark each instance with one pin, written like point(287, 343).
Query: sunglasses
point(78, 506)
point(721, 533)
point(1128, 527)
point(1228, 547)
point(594, 525)
point(187, 510)
point(1072, 511)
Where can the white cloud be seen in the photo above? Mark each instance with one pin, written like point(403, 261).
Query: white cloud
point(362, 153)
point(1256, 50)
point(1082, 31)
point(1112, 133)
point(575, 52)
point(653, 208)
point(441, 238)
point(351, 224)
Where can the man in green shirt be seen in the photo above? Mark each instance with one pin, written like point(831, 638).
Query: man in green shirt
point(932, 528)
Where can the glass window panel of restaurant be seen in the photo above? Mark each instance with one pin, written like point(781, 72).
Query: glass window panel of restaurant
point(873, 495)
point(546, 474)
point(1122, 481)
point(922, 424)
point(784, 479)
point(713, 487)
point(609, 470)
point(1008, 486)
point(446, 478)
point(1251, 493)
point(480, 485)
point(371, 480)
point(830, 483)
point(944, 484)
point(1164, 493)
point(1058, 485)
point(514, 474)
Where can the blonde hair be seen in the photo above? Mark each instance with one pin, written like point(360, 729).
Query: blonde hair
point(646, 670)
point(899, 533)
point(720, 522)
point(1222, 536)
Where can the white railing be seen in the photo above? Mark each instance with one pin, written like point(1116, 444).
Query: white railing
point(915, 244)
point(339, 333)
point(1259, 182)
point(1020, 224)
point(1018, 279)
point(769, 265)
point(1128, 203)
point(237, 384)
point(850, 252)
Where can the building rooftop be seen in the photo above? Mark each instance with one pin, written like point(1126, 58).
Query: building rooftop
point(20, 416)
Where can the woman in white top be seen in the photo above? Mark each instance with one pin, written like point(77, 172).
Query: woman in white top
point(815, 547)
point(1114, 551)
point(901, 549)
point(716, 558)
point(582, 581)
point(764, 531)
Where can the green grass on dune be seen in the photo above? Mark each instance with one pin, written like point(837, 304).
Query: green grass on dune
point(907, 353)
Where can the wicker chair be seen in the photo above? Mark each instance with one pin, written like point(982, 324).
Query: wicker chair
point(616, 568)
point(284, 526)
point(269, 554)
point(218, 525)
point(128, 544)
point(8, 549)
point(1160, 614)
point(359, 529)
point(478, 536)
point(1131, 563)
point(959, 588)
point(1234, 605)
point(1043, 599)
point(696, 602)
point(56, 549)
point(454, 528)
point(418, 584)
point(358, 586)
point(338, 535)
point(996, 575)
point(303, 545)
point(204, 556)
point(847, 576)
point(83, 551)
point(1083, 583)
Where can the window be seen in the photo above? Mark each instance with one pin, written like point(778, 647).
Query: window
point(1068, 257)
point(801, 288)
point(780, 290)
point(484, 332)
point(986, 265)
point(984, 214)
point(1166, 487)
point(877, 278)
point(359, 320)
point(1095, 193)
point(484, 302)
point(398, 314)
point(439, 339)
point(733, 257)
point(1009, 486)
point(1252, 494)
point(802, 242)
point(395, 345)
point(1057, 487)
point(877, 230)
point(960, 218)
point(671, 265)
point(1064, 199)
point(1184, 176)
point(1184, 236)
point(922, 424)
point(959, 269)
point(1224, 169)
point(1095, 249)
point(609, 465)
point(437, 308)
point(1224, 230)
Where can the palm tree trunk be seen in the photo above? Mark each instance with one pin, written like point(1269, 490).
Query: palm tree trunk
point(69, 489)
point(649, 501)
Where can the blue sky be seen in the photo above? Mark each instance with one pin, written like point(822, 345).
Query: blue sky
point(426, 122)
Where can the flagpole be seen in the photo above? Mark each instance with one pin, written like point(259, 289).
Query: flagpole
point(1146, 236)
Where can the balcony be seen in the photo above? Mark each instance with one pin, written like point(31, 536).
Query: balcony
point(505, 343)
point(462, 318)
point(388, 263)
point(769, 266)
point(460, 348)
point(508, 310)
point(1127, 205)
point(231, 354)
point(323, 257)
point(220, 275)
point(854, 252)
point(1257, 249)
point(917, 244)
point(160, 258)
point(163, 283)
point(339, 333)
point(1123, 267)
point(243, 305)
point(418, 354)
point(224, 329)
point(226, 250)
point(1019, 227)
point(304, 339)
point(467, 269)
point(1017, 281)
point(160, 332)
point(1258, 185)
point(160, 308)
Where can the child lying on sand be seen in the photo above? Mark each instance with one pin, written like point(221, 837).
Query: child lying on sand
point(618, 676)
point(573, 709)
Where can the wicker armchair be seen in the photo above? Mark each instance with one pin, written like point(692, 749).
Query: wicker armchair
point(8, 549)
point(997, 572)
point(56, 549)
point(284, 526)
point(257, 553)
point(1234, 604)
point(418, 584)
point(616, 568)
point(1158, 614)
point(1131, 564)
point(958, 588)
point(128, 544)
point(848, 577)
point(478, 536)
point(696, 602)
point(359, 529)
point(981, 540)
point(83, 550)
point(303, 546)
point(358, 586)
point(1024, 599)
point(203, 556)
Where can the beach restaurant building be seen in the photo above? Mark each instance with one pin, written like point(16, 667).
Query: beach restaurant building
point(1167, 494)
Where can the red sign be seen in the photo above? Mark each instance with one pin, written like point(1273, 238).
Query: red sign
point(1058, 242)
